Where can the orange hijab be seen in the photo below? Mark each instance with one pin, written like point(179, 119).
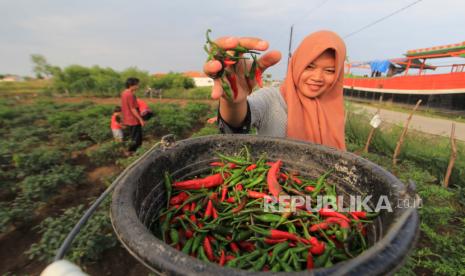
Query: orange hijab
point(319, 119)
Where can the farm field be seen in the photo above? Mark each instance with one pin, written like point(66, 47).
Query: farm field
point(57, 156)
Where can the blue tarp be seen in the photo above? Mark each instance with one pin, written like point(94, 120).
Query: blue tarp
point(379, 65)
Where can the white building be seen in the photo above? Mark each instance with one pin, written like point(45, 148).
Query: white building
point(200, 79)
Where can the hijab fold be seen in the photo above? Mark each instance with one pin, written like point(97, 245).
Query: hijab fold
point(319, 119)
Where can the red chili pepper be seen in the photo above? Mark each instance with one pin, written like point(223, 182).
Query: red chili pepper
point(214, 213)
point(224, 192)
point(179, 199)
point(354, 216)
point(232, 165)
point(283, 176)
point(234, 247)
point(272, 180)
point(316, 227)
point(318, 247)
point(342, 223)
point(247, 246)
point(275, 234)
point(222, 258)
point(209, 210)
point(309, 188)
point(296, 180)
point(213, 196)
point(193, 218)
point(239, 187)
point(233, 82)
point(230, 200)
point(258, 76)
point(325, 212)
point(195, 184)
point(186, 208)
point(254, 194)
point(251, 168)
point(208, 249)
point(189, 233)
point(227, 61)
point(193, 205)
point(240, 206)
point(360, 214)
point(217, 164)
point(229, 258)
point(274, 241)
point(310, 264)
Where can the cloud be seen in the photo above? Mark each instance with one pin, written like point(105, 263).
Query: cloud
point(158, 35)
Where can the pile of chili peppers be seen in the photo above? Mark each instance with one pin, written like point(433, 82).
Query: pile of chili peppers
point(220, 218)
point(229, 59)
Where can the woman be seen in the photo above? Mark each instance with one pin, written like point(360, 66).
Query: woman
point(309, 104)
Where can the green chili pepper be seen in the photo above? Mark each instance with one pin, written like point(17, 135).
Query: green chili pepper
point(201, 254)
point(278, 249)
point(285, 266)
point(187, 247)
point(276, 268)
point(320, 183)
point(257, 181)
point(268, 218)
point(174, 236)
point(243, 235)
point(168, 187)
point(295, 262)
point(321, 260)
point(220, 238)
point(258, 265)
point(197, 241)
point(236, 160)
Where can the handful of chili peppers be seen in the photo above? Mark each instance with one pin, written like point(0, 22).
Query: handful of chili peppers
point(230, 58)
point(220, 218)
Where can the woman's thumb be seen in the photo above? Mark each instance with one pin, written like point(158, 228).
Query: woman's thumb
point(217, 90)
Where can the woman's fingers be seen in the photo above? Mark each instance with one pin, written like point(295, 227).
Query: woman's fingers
point(269, 59)
point(253, 43)
point(227, 42)
point(212, 67)
point(217, 90)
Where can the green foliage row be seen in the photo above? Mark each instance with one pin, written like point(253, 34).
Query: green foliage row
point(198, 93)
point(35, 190)
point(431, 154)
point(440, 247)
point(95, 80)
point(95, 237)
point(174, 119)
point(172, 80)
point(77, 79)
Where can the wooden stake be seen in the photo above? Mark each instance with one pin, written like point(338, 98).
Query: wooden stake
point(453, 156)
point(372, 131)
point(404, 131)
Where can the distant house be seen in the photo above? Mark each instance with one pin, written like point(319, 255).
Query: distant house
point(11, 78)
point(199, 78)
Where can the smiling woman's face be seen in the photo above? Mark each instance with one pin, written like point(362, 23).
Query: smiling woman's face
point(319, 75)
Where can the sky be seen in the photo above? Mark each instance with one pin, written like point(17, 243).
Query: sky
point(162, 36)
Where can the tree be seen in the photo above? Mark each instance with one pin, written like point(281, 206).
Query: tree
point(42, 68)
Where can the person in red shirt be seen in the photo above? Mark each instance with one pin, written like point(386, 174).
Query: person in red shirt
point(115, 125)
point(144, 110)
point(131, 116)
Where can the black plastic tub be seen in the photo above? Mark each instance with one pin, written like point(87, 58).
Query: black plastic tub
point(140, 194)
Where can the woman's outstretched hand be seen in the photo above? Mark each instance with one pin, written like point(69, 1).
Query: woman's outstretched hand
point(234, 75)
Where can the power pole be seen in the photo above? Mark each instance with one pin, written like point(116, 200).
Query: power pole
point(290, 46)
